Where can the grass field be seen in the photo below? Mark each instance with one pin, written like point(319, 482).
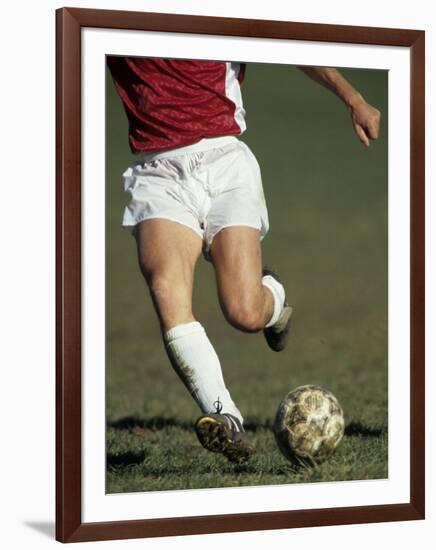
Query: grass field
point(327, 200)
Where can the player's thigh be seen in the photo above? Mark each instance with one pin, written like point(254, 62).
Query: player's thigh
point(168, 252)
point(237, 258)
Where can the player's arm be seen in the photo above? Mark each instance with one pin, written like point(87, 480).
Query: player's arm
point(365, 117)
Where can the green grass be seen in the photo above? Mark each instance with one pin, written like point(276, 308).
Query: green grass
point(327, 200)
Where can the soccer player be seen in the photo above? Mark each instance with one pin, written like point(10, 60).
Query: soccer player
point(195, 187)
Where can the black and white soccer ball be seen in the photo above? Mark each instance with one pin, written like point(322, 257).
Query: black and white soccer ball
point(309, 425)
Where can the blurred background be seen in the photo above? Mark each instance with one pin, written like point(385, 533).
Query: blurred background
point(327, 200)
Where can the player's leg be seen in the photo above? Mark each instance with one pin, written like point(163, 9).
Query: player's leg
point(168, 252)
point(237, 260)
point(250, 300)
point(167, 255)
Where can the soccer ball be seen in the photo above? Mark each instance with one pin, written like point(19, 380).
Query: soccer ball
point(309, 425)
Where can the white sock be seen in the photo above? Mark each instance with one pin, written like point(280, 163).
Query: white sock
point(278, 293)
point(196, 362)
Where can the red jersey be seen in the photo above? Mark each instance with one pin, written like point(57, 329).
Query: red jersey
point(174, 102)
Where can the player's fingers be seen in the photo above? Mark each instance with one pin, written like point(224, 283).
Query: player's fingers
point(361, 134)
point(373, 128)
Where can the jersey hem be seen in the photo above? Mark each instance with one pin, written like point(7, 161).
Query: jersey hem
point(203, 145)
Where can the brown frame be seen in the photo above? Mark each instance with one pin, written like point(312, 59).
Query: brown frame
point(69, 527)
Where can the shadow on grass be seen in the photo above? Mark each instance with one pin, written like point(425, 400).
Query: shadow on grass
point(357, 429)
point(156, 423)
point(125, 459)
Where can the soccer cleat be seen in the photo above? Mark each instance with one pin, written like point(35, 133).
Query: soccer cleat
point(223, 433)
point(277, 335)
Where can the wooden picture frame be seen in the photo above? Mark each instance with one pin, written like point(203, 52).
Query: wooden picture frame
point(69, 525)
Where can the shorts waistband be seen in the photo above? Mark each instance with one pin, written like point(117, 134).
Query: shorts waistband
point(202, 145)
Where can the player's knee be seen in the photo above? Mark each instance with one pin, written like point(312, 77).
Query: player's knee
point(165, 291)
point(244, 314)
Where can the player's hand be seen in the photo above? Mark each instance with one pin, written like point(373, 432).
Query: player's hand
point(366, 121)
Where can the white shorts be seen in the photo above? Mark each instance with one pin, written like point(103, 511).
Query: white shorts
point(212, 184)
